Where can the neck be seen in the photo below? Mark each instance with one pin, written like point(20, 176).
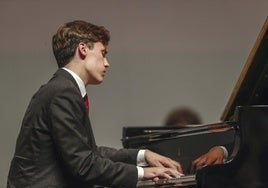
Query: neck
point(77, 70)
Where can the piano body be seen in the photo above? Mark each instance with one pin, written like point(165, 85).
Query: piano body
point(243, 126)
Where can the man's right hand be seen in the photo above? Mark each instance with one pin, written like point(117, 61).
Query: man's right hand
point(155, 173)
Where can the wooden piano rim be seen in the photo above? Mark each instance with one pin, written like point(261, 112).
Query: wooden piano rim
point(244, 71)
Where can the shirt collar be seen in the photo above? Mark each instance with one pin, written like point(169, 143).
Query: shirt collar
point(78, 80)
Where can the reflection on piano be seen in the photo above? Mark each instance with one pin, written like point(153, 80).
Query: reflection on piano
point(249, 168)
point(245, 117)
point(184, 143)
point(175, 144)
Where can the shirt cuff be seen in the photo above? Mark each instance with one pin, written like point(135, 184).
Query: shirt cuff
point(140, 173)
point(225, 153)
point(141, 158)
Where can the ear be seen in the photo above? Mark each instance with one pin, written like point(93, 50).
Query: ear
point(82, 50)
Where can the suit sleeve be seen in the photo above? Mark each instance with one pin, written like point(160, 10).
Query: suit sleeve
point(77, 149)
point(121, 155)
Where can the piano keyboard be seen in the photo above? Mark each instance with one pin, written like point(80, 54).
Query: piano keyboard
point(174, 182)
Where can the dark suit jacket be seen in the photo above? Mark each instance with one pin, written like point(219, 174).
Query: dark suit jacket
point(56, 146)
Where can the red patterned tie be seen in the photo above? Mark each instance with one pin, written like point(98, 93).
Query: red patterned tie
point(86, 103)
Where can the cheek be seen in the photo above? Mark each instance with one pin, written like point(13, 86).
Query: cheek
point(95, 65)
point(100, 63)
point(92, 63)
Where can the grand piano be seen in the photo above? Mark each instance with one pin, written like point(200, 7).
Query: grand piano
point(243, 127)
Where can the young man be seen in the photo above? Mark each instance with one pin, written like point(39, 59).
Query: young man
point(56, 146)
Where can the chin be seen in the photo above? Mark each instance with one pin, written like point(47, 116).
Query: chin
point(96, 82)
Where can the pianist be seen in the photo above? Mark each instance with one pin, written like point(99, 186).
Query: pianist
point(56, 145)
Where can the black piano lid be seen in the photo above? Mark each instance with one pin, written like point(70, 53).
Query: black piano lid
point(252, 85)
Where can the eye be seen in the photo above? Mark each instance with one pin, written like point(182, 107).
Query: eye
point(104, 52)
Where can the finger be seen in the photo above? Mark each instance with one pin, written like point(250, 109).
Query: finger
point(211, 161)
point(199, 163)
point(218, 161)
point(175, 173)
point(167, 176)
point(193, 166)
point(169, 163)
point(178, 166)
point(195, 162)
point(155, 179)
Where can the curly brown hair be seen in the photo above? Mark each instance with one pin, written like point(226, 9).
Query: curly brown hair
point(182, 116)
point(69, 35)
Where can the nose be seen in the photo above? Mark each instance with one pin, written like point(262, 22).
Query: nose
point(106, 63)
